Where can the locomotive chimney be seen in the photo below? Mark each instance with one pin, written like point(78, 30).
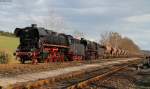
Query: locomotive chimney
point(34, 25)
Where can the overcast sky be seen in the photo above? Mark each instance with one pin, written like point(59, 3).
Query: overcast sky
point(130, 18)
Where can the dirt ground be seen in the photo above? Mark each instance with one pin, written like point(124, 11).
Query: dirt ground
point(12, 74)
point(8, 70)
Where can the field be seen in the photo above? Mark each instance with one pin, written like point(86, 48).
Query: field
point(8, 45)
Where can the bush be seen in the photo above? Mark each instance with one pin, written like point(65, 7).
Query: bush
point(3, 57)
point(7, 34)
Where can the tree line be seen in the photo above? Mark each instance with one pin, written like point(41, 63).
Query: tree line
point(116, 40)
point(9, 34)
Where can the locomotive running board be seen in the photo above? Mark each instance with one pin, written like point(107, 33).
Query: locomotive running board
point(60, 46)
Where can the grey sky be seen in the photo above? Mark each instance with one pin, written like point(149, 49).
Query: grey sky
point(92, 17)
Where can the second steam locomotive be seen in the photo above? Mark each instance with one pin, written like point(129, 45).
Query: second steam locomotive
point(40, 45)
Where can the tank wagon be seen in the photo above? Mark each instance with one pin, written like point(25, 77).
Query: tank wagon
point(41, 45)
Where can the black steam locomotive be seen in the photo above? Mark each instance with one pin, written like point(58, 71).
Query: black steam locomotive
point(40, 45)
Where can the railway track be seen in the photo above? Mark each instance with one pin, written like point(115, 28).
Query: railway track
point(86, 82)
point(88, 78)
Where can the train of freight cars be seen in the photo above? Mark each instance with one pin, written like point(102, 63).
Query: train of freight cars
point(40, 45)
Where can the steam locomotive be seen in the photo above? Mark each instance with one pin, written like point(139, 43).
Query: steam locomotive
point(41, 45)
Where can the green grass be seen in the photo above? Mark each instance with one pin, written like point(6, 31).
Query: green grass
point(8, 42)
point(9, 45)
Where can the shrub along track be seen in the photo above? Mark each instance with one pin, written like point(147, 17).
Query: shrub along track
point(75, 80)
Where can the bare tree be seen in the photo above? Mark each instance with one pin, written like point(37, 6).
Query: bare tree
point(128, 44)
point(104, 38)
point(115, 40)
